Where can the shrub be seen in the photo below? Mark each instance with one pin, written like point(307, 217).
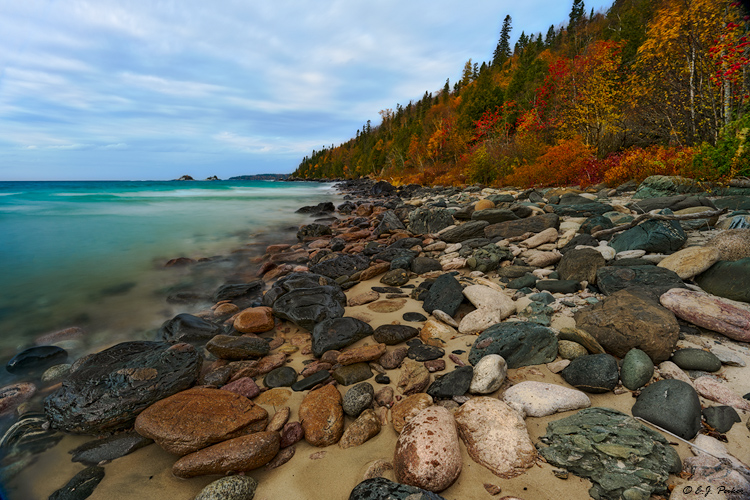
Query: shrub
point(730, 156)
point(569, 162)
point(639, 163)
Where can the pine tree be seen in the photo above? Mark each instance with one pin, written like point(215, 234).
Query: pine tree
point(502, 51)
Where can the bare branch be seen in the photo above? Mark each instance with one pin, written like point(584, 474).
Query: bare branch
point(643, 217)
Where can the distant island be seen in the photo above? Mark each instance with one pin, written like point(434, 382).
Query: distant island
point(260, 177)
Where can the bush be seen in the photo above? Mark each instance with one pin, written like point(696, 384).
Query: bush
point(638, 163)
point(569, 162)
point(729, 158)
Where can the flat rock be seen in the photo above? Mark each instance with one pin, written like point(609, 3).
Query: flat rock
point(580, 265)
point(394, 334)
point(337, 333)
point(36, 359)
point(465, 231)
point(721, 418)
point(306, 307)
point(445, 294)
point(199, 417)
point(484, 297)
point(454, 383)
point(408, 408)
point(594, 373)
point(351, 374)
point(423, 352)
point(711, 312)
point(81, 486)
point(691, 261)
point(436, 333)
point(427, 452)
point(233, 348)
point(712, 389)
point(109, 448)
point(322, 416)
point(657, 280)
point(512, 228)
point(109, 389)
point(495, 436)
point(671, 404)
point(625, 320)
point(653, 236)
point(696, 359)
point(539, 399)
point(520, 344)
point(241, 454)
point(254, 320)
point(340, 265)
point(188, 328)
point(414, 377)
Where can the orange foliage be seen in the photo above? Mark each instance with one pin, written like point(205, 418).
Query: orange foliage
point(565, 164)
point(638, 163)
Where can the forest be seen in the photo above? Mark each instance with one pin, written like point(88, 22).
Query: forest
point(649, 87)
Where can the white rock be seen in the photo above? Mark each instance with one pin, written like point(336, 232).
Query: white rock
point(489, 374)
point(483, 297)
point(539, 399)
point(630, 254)
point(667, 369)
point(479, 320)
point(573, 224)
point(607, 252)
point(455, 247)
point(542, 273)
point(565, 238)
point(522, 304)
point(495, 436)
point(542, 259)
point(654, 257)
point(445, 318)
point(727, 356)
point(549, 235)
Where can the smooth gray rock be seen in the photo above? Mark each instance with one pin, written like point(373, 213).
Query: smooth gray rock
point(696, 359)
point(109, 448)
point(637, 369)
point(229, 488)
point(671, 404)
point(594, 373)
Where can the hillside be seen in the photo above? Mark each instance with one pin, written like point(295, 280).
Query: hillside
point(649, 87)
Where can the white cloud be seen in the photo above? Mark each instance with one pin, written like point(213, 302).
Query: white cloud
point(171, 87)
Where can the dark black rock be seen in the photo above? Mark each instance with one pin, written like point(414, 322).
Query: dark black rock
point(445, 294)
point(424, 352)
point(558, 286)
point(382, 379)
point(387, 289)
point(501, 198)
point(338, 264)
point(283, 376)
point(657, 280)
point(535, 224)
point(521, 344)
point(337, 333)
point(673, 203)
point(728, 279)
point(595, 373)
point(234, 291)
point(671, 404)
point(596, 223)
point(311, 381)
point(313, 231)
point(429, 220)
point(306, 307)
point(337, 244)
point(380, 488)
point(320, 208)
point(109, 448)
point(395, 277)
point(394, 334)
point(81, 486)
point(514, 271)
point(527, 280)
point(188, 328)
point(580, 240)
point(382, 188)
point(455, 383)
point(587, 209)
point(421, 265)
point(652, 236)
point(36, 359)
point(494, 215)
point(696, 359)
point(107, 390)
point(488, 258)
point(358, 399)
point(388, 224)
point(468, 230)
point(721, 418)
point(351, 374)
point(294, 281)
point(414, 317)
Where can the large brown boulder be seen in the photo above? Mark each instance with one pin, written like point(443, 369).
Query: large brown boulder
point(628, 319)
point(241, 454)
point(199, 417)
point(322, 416)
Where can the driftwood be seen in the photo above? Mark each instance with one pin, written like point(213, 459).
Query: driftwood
point(742, 182)
point(643, 217)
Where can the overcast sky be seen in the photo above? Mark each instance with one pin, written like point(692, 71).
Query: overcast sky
point(153, 89)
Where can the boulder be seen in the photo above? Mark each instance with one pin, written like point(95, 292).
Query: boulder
point(637, 369)
point(656, 280)
point(322, 416)
point(671, 404)
point(233, 348)
point(306, 307)
point(728, 279)
point(733, 244)
point(241, 454)
point(707, 311)
point(445, 294)
point(520, 344)
point(337, 333)
point(691, 261)
point(465, 231)
point(513, 228)
point(594, 373)
point(337, 265)
point(188, 328)
point(652, 236)
point(429, 220)
point(580, 265)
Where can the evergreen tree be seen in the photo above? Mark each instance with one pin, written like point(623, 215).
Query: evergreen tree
point(576, 13)
point(502, 51)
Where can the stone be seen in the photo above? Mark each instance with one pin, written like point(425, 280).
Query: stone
point(558, 286)
point(488, 258)
point(733, 244)
point(229, 488)
point(669, 370)
point(361, 354)
point(567, 349)
point(109, 448)
point(580, 265)
point(711, 388)
point(465, 231)
point(36, 359)
point(306, 307)
point(455, 383)
point(711, 312)
point(429, 220)
point(364, 428)
point(233, 348)
point(672, 405)
point(392, 359)
point(311, 381)
point(283, 376)
point(379, 488)
point(696, 359)
point(188, 328)
point(526, 281)
point(199, 417)
point(395, 277)
point(513, 228)
point(424, 352)
point(445, 294)
point(81, 486)
point(727, 279)
point(394, 334)
point(495, 436)
point(373, 271)
point(357, 399)
point(625, 320)
point(291, 433)
point(234, 291)
point(322, 416)
point(409, 407)
point(581, 337)
point(622, 457)
point(337, 333)
point(107, 390)
point(494, 215)
point(414, 378)
point(653, 236)
point(435, 365)
point(436, 333)
point(539, 399)
point(390, 223)
point(478, 320)
point(339, 264)
point(655, 186)
point(427, 453)
point(279, 419)
point(11, 396)
point(587, 209)
point(444, 318)
point(520, 344)
point(484, 297)
point(657, 280)
point(414, 317)
point(489, 374)
point(351, 374)
point(241, 454)
point(423, 265)
point(637, 369)
point(596, 223)
point(721, 418)
point(594, 373)
point(691, 261)
point(254, 320)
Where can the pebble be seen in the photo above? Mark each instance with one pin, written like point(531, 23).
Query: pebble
point(365, 427)
point(489, 374)
point(241, 454)
point(710, 388)
point(229, 488)
point(284, 376)
point(637, 369)
point(358, 398)
point(696, 359)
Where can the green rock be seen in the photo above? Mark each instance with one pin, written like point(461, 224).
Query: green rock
point(637, 369)
point(696, 359)
point(520, 344)
point(728, 279)
point(671, 404)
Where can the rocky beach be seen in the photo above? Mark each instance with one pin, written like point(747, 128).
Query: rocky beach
point(428, 343)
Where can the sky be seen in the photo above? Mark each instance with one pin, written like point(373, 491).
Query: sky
point(154, 89)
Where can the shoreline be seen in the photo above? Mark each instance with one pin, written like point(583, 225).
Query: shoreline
point(315, 472)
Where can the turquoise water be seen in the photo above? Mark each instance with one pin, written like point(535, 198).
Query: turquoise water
point(92, 254)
